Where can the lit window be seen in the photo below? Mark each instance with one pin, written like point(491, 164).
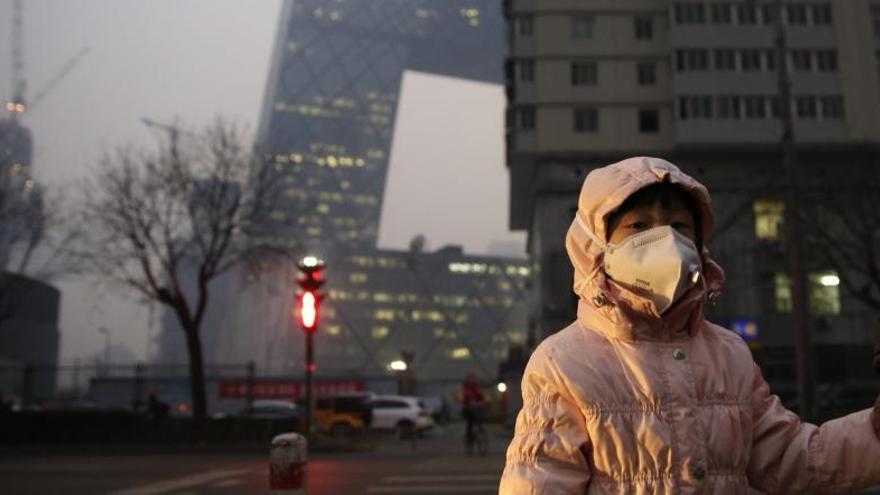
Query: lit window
point(825, 293)
point(646, 74)
point(649, 121)
point(584, 74)
point(824, 290)
point(769, 216)
point(782, 293)
point(333, 330)
point(586, 120)
point(582, 27)
point(357, 277)
point(380, 332)
point(644, 28)
point(461, 353)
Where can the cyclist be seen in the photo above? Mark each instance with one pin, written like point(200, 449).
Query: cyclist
point(472, 402)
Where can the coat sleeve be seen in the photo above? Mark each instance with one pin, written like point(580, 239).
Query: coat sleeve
point(546, 455)
point(789, 456)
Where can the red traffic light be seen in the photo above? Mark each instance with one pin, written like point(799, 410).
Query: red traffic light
point(308, 310)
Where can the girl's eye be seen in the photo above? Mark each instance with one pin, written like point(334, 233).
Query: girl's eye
point(637, 225)
point(680, 226)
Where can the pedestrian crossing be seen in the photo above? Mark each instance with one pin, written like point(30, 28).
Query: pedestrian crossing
point(414, 484)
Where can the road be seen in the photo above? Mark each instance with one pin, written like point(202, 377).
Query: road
point(436, 465)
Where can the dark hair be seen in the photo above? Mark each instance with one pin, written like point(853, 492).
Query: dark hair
point(662, 193)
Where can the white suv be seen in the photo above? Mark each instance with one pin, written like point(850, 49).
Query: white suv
point(403, 414)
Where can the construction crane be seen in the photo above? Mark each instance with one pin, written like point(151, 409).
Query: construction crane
point(19, 104)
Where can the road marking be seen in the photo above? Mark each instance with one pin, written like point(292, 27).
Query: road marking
point(167, 486)
point(229, 482)
point(427, 478)
point(493, 488)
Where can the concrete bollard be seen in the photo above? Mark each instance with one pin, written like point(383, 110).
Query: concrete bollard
point(287, 465)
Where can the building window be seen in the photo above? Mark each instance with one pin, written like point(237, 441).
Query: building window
point(692, 60)
point(770, 60)
point(826, 60)
point(644, 28)
point(584, 74)
point(769, 13)
point(646, 73)
point(582, 27)
point(725, 59)
point(824, 293)
point(782, 293)
point(755, 107)
point(729, 107)
point(586, 120)
point(690, 13)
point(769, 216)
point(527, 70)
point(807, 107)
point(821, 13)
point(832, 107)
point(649, 121)
point(721, 13)
point(750, 60)
point(526, 118)
point(695, 107)
point(746, 13)
point(802, 60)
point(796, 14)
point(875, 19)
point(525, 25)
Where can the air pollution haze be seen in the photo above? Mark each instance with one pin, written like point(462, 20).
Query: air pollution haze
point(188, 62)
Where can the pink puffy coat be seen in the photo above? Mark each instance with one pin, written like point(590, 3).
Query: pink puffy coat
point(625, 401)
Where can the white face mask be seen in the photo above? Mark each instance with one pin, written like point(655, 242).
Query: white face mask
point(659, 264)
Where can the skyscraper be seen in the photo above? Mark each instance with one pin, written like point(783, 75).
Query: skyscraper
point(332, 95)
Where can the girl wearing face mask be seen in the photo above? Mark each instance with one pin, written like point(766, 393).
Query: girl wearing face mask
point(642, 395)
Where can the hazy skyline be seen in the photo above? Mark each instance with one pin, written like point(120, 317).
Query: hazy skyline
point(194, 60)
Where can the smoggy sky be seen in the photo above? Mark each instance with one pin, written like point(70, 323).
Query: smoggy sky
point(194, 59)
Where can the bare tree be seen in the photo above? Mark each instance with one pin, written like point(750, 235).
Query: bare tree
point(843, 227)
point(154, 219)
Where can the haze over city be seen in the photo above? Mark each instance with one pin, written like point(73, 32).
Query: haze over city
point(191, 61)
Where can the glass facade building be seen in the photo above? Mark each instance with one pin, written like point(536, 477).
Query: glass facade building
point(330, 103)
point(326, 130)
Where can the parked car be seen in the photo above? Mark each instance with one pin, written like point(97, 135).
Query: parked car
point(270, 409)
point(405, 415)
point(344, 415)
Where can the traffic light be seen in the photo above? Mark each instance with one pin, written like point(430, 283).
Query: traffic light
point(311, 279)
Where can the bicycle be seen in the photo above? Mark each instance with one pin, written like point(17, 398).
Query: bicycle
point(476, 435)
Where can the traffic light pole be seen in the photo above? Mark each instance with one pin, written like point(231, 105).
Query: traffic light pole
point(310, 365)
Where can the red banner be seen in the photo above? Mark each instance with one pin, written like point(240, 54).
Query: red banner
point(287, 389)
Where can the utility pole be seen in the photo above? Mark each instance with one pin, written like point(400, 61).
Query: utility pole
point(793, 234)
